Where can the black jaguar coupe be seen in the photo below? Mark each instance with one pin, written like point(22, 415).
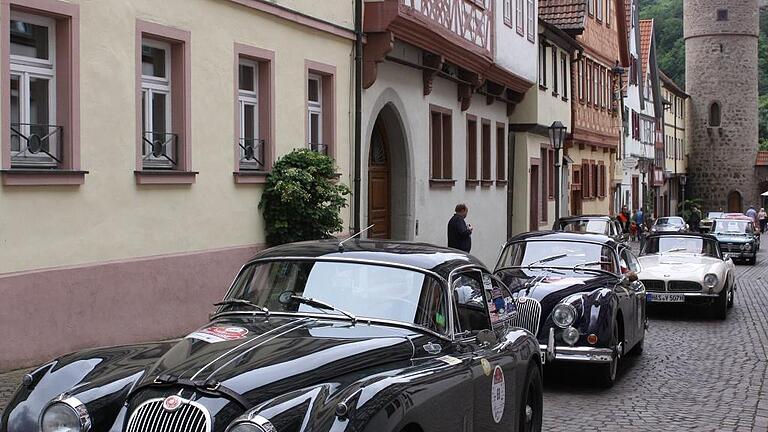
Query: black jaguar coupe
point(316, 336)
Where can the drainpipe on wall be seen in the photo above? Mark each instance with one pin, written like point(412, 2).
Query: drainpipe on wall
point(358, 112)
point(510, 182)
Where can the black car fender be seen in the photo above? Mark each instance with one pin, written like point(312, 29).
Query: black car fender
point(98, 377)
point(595, 311)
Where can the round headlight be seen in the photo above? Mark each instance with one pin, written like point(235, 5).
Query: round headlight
point(710, 280)
point(246, 427)
point(571, 335)
point(68, 415)
point(563, 315)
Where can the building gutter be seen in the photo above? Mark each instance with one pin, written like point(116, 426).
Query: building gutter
point(358, 113)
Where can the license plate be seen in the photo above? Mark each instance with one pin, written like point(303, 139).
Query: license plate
point(665, 298)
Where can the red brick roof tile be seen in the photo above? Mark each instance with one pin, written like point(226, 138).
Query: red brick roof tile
point(762, 158)
point(646, 35)
point(564, 14)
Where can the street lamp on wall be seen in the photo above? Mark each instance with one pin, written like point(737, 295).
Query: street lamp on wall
point(557, 139)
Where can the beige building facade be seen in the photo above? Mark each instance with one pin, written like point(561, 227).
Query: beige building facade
point(675, 140)
point(136, 138)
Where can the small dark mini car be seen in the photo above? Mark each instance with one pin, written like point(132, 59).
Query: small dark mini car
point(314, 336)
point(595, 224)
point(738, 238)
point(579, 294)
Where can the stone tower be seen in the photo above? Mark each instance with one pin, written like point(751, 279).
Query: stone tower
point(721, 78)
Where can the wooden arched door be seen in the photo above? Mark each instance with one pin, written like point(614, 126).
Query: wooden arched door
point(734, 202)
point(379, 203)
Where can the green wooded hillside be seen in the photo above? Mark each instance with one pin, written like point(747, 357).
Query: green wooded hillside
point(668, 17)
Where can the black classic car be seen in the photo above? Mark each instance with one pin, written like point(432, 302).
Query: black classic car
point(669, 224)
point(738, 238)
point(595, 224)
point(579, 294)
point(314, 336)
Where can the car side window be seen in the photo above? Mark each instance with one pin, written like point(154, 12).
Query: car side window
point(634, 264)
point(470, 302)
point(624, 261)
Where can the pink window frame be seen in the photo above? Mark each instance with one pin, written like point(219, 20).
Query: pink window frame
point(181, 86)
point(265, 59)
point(67, 18)
point(328, 74)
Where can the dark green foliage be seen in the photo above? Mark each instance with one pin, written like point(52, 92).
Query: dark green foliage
point(302, 199)
point(670, 49)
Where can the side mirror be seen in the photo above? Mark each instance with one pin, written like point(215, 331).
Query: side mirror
point(632, 276)
point(726, 257)
point(486, 338)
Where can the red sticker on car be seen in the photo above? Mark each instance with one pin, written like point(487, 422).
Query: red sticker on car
point(219, 333)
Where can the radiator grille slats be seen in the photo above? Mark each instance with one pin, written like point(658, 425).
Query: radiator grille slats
point(654, 285)
point(151, 417)
point(528, 314)
point(684, 286)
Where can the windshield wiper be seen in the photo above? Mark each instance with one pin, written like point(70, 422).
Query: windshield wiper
point(323, 305)
point(675, 250)
point(232, 302)
point(577, 267)
point(546, 260)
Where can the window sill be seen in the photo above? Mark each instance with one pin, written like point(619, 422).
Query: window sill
point(42, 177)
point(555, 94)
point(169, 177)
point(542, 87)
point(565, 98)
point(472, 183)
point(501, 182)
point(442, 183)
point(250, 177)
point(486, 183)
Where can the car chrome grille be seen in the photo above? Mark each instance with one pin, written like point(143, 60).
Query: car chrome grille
point(684, 286)
point(150, 416)
point(654, 285)
point(528, 314)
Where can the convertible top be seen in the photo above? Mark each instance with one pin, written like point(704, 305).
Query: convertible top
point(564, 236)
point(685, 234)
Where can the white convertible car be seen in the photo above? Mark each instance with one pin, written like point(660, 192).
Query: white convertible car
point(687, 268)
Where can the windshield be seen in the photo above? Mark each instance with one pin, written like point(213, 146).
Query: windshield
point(728, 226)
point(585, 225)
point(366, 290)
point(670, 221)
point(559, 254)
point(681, 244)
point(714, 215)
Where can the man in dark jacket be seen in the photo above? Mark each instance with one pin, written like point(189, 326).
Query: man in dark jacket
point(460, 232)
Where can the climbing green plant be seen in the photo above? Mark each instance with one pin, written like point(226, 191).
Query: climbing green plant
point(302, 199)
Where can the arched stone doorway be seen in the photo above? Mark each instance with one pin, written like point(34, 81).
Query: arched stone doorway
point(388, 195)
point(735, 203)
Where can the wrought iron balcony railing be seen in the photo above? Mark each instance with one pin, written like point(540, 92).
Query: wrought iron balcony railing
point(159, 150)
point(319, 148)
point(251, 154)
point(36, 145)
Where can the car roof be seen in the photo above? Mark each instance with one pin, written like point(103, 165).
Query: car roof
point(438, 259)
point(736, 216)
point(564, 236)
point(685, 234)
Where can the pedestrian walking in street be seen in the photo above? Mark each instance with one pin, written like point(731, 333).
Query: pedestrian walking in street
point(762, 219)
point(459, 231)
point(752, 213)
point(623, 218)
point(640, 216)
point(695, 220)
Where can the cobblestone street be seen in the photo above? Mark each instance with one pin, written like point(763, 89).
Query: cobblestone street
point(696, 373)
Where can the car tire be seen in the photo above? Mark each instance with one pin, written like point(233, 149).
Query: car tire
point(637, 350)
point(720, 305)
point(732, 300)
point(531, 401)
point(752, 261)
point(607, 371)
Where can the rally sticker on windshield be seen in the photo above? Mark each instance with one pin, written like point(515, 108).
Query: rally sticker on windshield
point(218, 333)
point(498, 394)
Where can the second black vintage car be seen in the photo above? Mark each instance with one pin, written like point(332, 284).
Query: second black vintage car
point(316, 336)
point(579, 294)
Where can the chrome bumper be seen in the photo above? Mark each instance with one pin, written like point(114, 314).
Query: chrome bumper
point(581, 354)
point(686, 294)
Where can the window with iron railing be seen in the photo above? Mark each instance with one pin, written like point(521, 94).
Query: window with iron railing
point(35, 141)
point(159, 143)
point(251, 147)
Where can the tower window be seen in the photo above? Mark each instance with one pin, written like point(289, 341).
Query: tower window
point(714, 115)
point(722, 14)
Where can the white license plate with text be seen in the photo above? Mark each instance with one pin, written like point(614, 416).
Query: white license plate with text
point(665, 298)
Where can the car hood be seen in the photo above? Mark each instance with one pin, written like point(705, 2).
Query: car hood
point(550, 288)
point(262, 358)
point(678, 266)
